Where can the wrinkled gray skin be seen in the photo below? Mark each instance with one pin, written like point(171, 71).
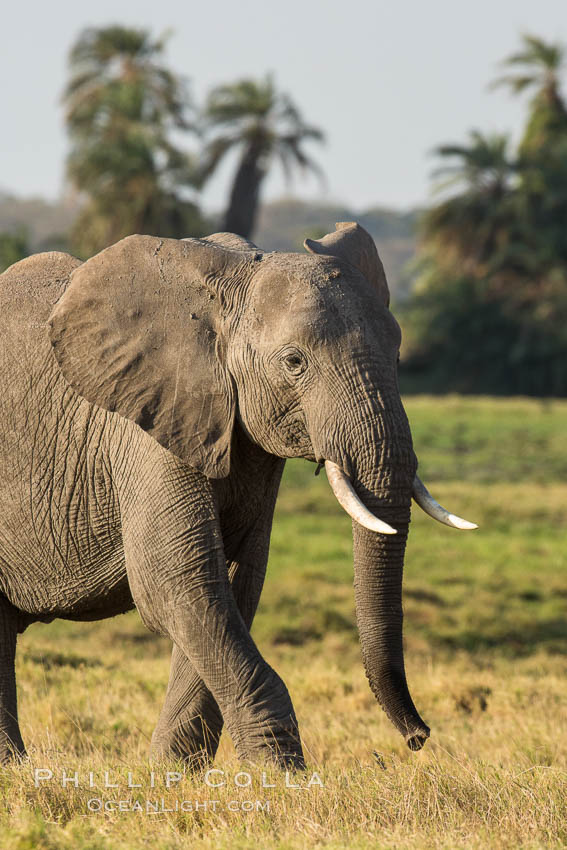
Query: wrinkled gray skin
point(149, 398)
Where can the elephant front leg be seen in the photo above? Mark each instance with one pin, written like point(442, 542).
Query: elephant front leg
point(180, 583)
point(190, 723)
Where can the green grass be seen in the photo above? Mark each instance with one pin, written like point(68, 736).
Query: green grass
point(489, 440)
point(486, 651)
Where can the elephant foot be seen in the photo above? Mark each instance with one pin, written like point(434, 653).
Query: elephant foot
point(12, 749)
point(273, 756)
point(192, 743)
point(279, 745)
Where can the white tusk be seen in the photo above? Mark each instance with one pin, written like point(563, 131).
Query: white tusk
point(426, 501)
point(347, 499)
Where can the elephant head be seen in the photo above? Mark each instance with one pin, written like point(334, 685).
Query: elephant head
point(186, 337)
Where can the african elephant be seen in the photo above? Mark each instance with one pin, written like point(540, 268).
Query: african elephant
point(150, 397)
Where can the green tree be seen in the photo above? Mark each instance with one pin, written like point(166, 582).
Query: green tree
point(542, 155)
point(538, 66)
point(473, 334)
point(489, 311)
point(13, 247)
point(263, 124)
point(121, 105)
point(475, 225)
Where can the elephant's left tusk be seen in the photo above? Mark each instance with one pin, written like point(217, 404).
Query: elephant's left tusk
point(347, 499)
point(427, 503)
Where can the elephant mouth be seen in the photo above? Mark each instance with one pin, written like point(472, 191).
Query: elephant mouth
point(346, 496)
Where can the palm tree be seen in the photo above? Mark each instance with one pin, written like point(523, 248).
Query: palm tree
point(543, 149)
point(263, 124)
point(121, 104)
point(488, 310)
point(484, 165)
point(475, 225)
point(539, 65)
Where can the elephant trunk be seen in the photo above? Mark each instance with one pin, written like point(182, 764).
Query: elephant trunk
point(381, 464)
point(378, 569)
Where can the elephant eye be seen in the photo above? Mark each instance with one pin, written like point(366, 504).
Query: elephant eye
point(295, 362)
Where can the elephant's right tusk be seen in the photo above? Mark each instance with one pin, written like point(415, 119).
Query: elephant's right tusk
point(346, 497)
point(427, 503)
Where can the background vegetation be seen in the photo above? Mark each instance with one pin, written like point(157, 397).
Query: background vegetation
point(484, 302)
point(486, 648)
point(489, 311)
point(121, 106)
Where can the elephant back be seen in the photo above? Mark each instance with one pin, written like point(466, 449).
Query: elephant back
point(28, 291)
point(30, 288)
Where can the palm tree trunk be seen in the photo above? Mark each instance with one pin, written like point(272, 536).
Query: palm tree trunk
point(240, 216)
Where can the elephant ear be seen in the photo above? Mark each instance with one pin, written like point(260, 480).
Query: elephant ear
point(141, 331)
point(353, 243)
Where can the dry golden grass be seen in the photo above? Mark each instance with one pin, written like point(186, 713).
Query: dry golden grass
point(494, 773)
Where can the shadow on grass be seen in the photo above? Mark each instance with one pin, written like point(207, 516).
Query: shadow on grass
point(50, 660)
point(424, 596)
point(519, 642)
point(326, 621)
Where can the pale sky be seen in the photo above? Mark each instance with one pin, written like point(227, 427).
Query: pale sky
point(386, 81)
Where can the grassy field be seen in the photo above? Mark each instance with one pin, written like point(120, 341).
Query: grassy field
point(486, 651)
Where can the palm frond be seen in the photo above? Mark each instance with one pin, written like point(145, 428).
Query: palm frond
point(289, 149)
point(214, 153)
point(542, 60)
point(518, 83)
point(263, 121)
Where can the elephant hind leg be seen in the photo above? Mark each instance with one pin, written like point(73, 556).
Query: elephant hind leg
point(11, 744)
point(190, 723)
